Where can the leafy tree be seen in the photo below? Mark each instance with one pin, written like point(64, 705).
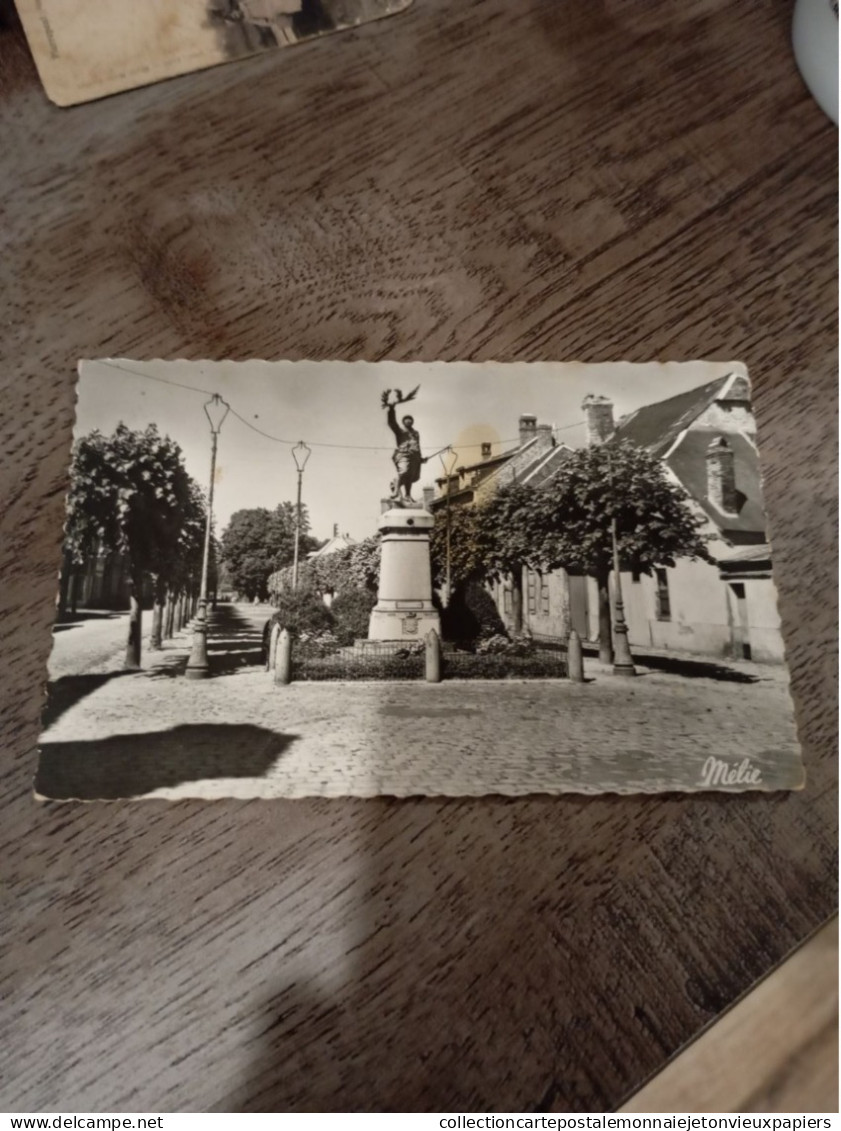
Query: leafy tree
point(351, 612)
point(180, 570)
point(303, 610)
point(465, 560)
point(471, 615)
point(509, 539)
point(356, 567)
point(130, 493)
point(490, 541)
point(361, 567)
point(257, 542)
point(567, 525)
point(570, 520)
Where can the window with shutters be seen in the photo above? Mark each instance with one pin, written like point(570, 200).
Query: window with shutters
point(663, 604)
point(532, 593)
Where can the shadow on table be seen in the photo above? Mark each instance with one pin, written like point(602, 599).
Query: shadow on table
point(130, 765)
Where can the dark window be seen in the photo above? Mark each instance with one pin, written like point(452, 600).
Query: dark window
point(544, 599)
point(663, 604)
point(635, 576)
point(506, 600)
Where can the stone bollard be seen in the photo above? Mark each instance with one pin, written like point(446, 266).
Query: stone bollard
point(271, 658)
point(575, 658)
point(283, 658)
point(433, 657)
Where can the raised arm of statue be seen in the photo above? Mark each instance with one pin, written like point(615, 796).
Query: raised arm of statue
point(393, 425)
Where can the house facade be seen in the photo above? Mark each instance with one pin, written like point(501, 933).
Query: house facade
point(100, 582)
point(706, 440)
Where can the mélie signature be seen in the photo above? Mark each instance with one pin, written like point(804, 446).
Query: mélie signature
point(718, 771)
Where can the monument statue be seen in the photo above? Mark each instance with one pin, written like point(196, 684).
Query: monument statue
point(407, 457)
point(404, 610)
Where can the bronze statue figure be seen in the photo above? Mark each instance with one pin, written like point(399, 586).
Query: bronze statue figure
point(407, 455)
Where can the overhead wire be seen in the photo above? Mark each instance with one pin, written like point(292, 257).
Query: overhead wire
point(314, 443)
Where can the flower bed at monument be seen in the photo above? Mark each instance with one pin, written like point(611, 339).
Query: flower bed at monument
point(312, 661)
point(539, 664)
point(315, 658)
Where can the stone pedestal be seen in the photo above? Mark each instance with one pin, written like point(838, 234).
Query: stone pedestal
point(404, 609)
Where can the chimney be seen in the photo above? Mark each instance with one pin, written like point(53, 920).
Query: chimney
point(335, 530)
point(721, 477)
point(487, 449)
point(598, 413)
point(428, 496)
point(545, 437)
point(528, 428)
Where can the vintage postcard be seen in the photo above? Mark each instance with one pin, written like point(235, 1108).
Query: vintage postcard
point(299, 579)
point(86, 51)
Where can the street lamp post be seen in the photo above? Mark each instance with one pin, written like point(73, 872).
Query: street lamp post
point(197, 666)
point(623, 663)
point(448, 470)
point(300, 453)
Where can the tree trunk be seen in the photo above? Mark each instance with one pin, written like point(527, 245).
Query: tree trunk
point(135, 622)
point(169, 615)
point(517, 601)
point(74, 590)
point(64, 583)
point(179, 611)
point(156, 640)
point(605, 628)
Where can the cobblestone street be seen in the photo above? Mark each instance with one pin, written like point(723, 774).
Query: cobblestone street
point(154, 734)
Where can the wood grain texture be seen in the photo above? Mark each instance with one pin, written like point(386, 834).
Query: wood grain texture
point(748, 1060)
point(475, 180)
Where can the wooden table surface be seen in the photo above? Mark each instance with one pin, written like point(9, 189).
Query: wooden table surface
point(479, 180)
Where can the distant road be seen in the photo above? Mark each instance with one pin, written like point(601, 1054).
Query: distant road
point(93, 642)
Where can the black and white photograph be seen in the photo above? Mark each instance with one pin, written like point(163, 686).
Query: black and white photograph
point(300, 579)
point(85, 51)
point(245, 26)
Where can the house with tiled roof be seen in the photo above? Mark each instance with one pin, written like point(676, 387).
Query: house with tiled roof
point(706, 439)
point(535, 459)
point(334, 544)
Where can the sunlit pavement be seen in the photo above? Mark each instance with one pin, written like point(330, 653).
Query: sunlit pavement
point(154, 733)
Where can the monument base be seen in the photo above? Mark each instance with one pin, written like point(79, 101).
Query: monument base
point(404, 611)
point(403, 625)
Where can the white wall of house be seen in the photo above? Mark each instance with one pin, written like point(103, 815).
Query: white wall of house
point(545, 603)
point(764, 626)
point(700, 618)
point(696, 618)
point(703, 611)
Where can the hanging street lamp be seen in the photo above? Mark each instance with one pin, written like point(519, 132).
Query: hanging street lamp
point(623, 663)
point(448, 471)
point(300, 454)
point(197, 666)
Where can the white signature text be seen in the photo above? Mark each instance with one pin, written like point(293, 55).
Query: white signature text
point(718, 772)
